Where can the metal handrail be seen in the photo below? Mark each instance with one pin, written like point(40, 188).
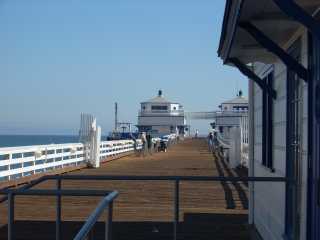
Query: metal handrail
point(176, 180)
point(93, 218)
point(95, 215)
point(11, 193)
point(170, 178)
point(24, 187)
point(53, 192)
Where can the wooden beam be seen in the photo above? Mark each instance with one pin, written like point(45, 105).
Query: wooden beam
point(243, 68)
point(293, 10)
point(271, 46)
point(270, 16)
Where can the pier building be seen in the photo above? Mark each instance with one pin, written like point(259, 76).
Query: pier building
point(160, 117)
point(232, 113)
point(189, 192)
point(276, 44)
point(231, 126)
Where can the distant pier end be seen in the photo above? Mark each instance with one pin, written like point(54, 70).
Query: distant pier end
point(159, 117)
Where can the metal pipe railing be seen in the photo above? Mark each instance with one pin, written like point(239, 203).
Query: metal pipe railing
point(176, 208)
point(11, 193)
point(58, 211)
point(93, 218)
point(27, 186)
point(85, 231)
point(170, 178)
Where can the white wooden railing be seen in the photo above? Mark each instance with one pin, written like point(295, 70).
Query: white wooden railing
point(17, 162)
point(114, 148)
point(236, 146)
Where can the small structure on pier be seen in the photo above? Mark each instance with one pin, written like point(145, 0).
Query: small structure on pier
point(231, 126)
point(232, 113)
point(159, 117)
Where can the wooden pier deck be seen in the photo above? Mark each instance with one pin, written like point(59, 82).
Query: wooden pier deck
point(144, 210)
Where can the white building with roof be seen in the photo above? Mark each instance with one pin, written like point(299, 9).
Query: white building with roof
point(161, 117)
point(239, 103)
point(231, 115)
point(231, 126)
point(276, 44)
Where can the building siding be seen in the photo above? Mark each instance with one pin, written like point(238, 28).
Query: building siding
point(269, 198)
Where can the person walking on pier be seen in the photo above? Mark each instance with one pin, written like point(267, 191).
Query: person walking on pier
point(210, 142)
point(135, 144)
point(196, 135)
point(144, 143)
point(149, 142)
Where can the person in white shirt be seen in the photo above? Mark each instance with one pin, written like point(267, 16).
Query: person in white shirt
point(144, 143)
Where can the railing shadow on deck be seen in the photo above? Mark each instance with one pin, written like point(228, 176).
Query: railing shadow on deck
point(226, 188)
point(200, 226)
point(242, 191)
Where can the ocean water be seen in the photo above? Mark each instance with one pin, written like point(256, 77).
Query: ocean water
point(27, 140)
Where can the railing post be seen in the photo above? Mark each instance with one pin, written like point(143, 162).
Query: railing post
point(108, 230)
point(58, 211)
point(176, 210)
point(10, 216)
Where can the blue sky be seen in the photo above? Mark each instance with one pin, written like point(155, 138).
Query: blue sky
point(62, 57)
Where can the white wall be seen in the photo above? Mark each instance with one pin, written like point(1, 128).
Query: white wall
point(147, 107)
point(174, 107)
point(269, 198)
point(163, 120)
point(229, 106)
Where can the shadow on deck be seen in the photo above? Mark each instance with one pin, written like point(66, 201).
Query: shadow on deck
point(195, 226)
point(225, 171)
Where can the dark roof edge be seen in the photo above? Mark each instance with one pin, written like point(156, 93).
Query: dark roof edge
point(224, 25)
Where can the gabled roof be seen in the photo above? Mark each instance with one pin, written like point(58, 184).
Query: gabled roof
point(157, 99)
point(237, 100)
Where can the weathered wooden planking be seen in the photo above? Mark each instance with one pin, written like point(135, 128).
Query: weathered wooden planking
point(144, 201)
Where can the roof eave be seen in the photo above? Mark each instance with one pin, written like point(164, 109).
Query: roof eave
point(231, 16)
point(224, 25)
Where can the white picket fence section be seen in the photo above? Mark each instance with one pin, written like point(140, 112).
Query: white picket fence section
point(17, 162)
point(114, 148)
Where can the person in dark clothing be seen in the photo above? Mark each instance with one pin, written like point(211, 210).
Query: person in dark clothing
point(149, 143)
point(210, 142)
point(134, 143)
